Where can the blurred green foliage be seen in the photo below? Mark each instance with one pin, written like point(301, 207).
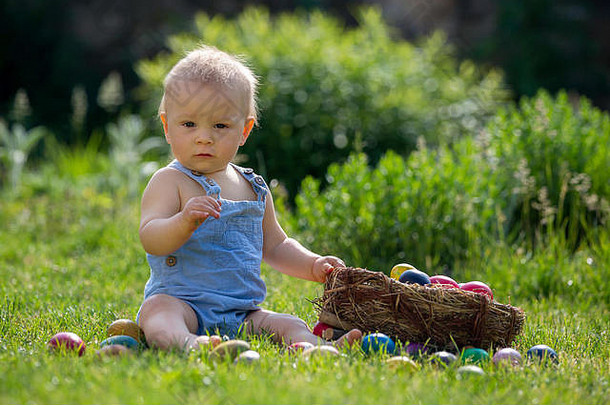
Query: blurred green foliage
point(327, 91)
point(537, 172)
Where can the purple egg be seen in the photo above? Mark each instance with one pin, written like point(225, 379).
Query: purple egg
point(416, 350)
point(507, 356)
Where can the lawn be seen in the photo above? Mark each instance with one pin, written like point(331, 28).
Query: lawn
point(70, 260)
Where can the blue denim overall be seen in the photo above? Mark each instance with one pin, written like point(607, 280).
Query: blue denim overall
point(217, 271)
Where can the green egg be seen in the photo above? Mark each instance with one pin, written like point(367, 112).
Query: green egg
point(474, 356)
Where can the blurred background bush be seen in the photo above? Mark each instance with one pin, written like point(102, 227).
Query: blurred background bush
point(426, 131)
point(326, 91)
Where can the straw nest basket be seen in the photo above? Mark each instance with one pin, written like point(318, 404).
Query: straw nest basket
point(442, 318)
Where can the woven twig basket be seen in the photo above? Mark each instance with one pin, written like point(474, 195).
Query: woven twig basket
point(441, 317)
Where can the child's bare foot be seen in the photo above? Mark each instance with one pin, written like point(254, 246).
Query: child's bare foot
point(349, 338)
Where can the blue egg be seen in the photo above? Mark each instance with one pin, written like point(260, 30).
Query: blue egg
point(414, 277)
point(542, 354)
point(378, 342)
point(122, 340)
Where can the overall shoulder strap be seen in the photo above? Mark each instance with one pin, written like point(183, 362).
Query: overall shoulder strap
point(209, 185)
point(257, 181)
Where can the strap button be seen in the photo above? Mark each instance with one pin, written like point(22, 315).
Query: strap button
point(171, 261)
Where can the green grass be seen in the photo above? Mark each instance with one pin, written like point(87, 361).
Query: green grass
point(72, 261)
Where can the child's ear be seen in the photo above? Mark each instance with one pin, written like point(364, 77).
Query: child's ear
point(247, 129)
point(163, 117)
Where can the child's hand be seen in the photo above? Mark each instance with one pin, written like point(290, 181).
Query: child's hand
point(323, 266)
point(198, 209)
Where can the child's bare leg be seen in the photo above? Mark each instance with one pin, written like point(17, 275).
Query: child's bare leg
point(289, 329)
point(169, 323)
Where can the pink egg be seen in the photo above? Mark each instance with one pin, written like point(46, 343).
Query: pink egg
point(478, 287)
point(67, 341)
point(507, 356)
point(445, 281)
point(299, 347)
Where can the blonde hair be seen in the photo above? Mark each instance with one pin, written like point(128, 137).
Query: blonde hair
point(209, 65)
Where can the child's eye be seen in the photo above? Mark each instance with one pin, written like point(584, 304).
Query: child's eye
point(189, 124)
point(220, 126)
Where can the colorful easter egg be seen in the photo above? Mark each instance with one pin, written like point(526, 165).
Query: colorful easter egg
point(122, 340)
point(444, 281)
point(114, 350)
point(230, 349)
point(399, 269)
point(248, 357)
point(378, 342)
point(299, 347)
point(125, 327)
point(542, 354)
point(470, 370)
point(402, 363)
point(320, 351)
point(478, 287)
point(443, 358)
point(474, 355)
point(416, 350)
point(319, 329)
point(507, 356)
point(414, 277)
point(67, 342)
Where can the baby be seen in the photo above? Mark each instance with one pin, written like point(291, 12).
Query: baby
point(206, 223)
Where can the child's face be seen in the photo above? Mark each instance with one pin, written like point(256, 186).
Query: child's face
point(205, 124)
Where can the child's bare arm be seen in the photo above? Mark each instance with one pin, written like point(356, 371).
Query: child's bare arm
point(164, 227)
point(288, 255)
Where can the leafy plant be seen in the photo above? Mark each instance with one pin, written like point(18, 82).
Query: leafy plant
point(432, 209)
point(16, 145)
point(130, 152)
point(552, 157)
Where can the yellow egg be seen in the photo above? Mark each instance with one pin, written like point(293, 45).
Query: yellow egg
point(402, 363)
point(126, 327)
point(399, 269)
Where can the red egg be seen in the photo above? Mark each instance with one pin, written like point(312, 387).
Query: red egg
point(319, 329)
point(478, 287)
point(445, 281)
point(67, 341)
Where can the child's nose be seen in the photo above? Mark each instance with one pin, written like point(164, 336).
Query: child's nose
point(204, 137)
